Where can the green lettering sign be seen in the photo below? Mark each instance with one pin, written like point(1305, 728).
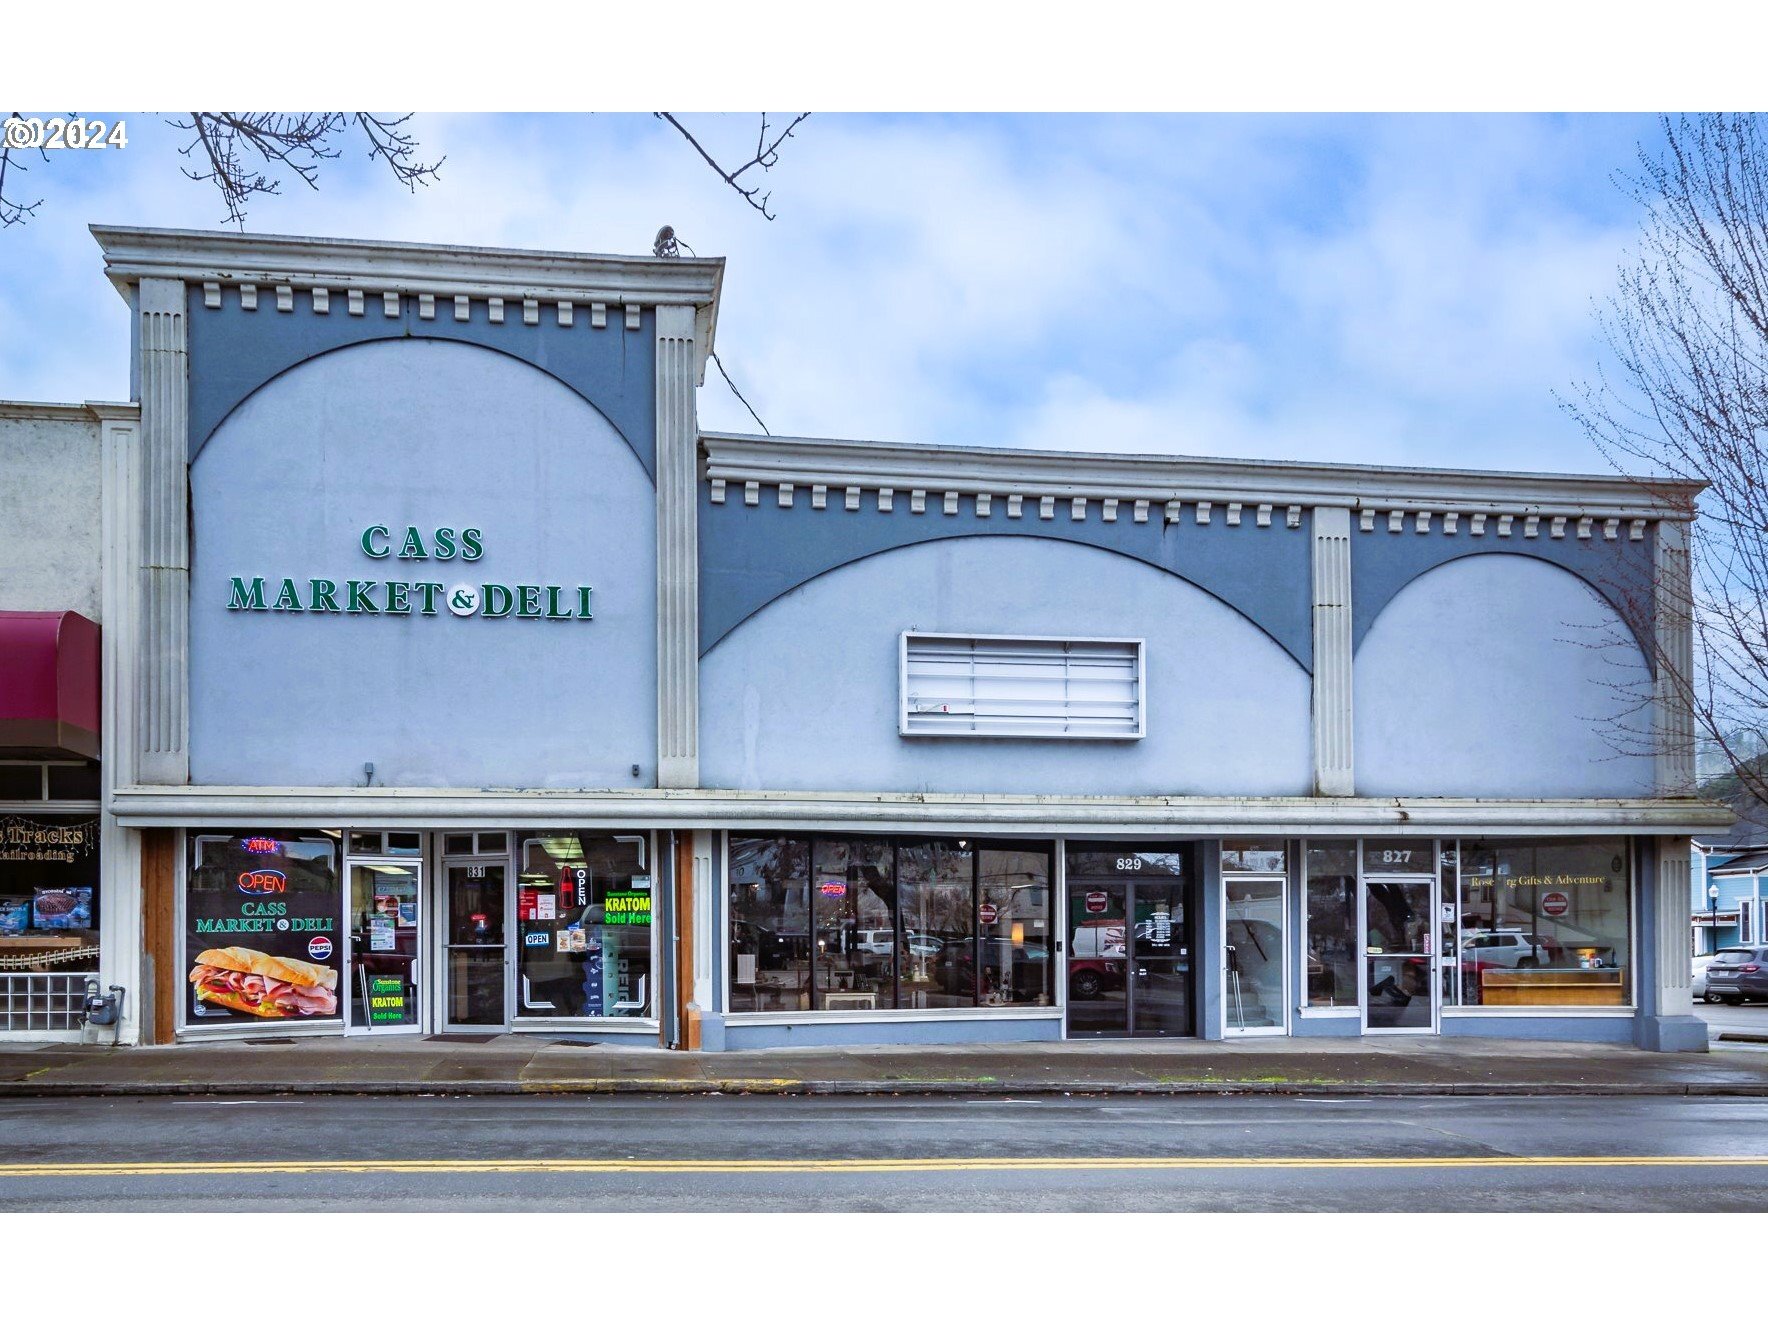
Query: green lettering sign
point(242, 598)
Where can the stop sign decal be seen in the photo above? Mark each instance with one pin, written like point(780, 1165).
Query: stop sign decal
point(987, 913)
point(1555, 904)
point(1098, 902)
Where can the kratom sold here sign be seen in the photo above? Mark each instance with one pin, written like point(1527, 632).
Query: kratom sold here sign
point(390, 597)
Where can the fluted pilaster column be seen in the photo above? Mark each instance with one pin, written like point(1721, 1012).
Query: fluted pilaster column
point(678, 559)
point(162, 719)
point(1333, 766)
point(1672, 605)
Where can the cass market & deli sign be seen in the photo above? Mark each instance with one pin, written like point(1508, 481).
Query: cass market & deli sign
point(405, 598)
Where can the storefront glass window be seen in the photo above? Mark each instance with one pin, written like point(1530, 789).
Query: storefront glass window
point(844, 924)
point(1013, 885)
point(936, 883)
point(261, 936)
point(48, 897)
point(770, 924)
point(1399, 856)
point(1545, 922)
point(853, 897)
point(1332, 948)
point(583, 923)
point(1263, 858)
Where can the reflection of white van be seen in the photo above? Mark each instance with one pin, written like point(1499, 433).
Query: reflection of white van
point(881, 942)
point(1101, 939)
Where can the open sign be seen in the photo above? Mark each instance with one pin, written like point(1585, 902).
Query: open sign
point(258, 883)
point(832, 888)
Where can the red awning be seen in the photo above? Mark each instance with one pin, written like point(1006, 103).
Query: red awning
point(48, 684)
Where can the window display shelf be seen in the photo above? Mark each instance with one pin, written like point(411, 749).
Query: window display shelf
point(1547, 987)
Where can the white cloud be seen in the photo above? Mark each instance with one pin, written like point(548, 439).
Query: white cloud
point(1344, 288)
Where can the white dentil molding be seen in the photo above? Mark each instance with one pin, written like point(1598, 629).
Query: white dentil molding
point(211, 259)
point(1192, 480)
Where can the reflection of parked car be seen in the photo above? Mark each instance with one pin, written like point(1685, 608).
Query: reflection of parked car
point(1737, 974)
point(1699, 983)
point(1504, 948)
point(1096, 963)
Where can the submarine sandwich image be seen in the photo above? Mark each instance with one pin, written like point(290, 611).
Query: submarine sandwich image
point(268, 987)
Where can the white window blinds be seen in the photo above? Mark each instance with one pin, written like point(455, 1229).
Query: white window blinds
point(994, 686)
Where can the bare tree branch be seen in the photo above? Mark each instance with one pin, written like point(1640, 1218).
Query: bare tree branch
point(13, 212)
point(767, 156)
point(228, 142)
point(1688, 330)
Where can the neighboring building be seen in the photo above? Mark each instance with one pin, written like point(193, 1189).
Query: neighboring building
point(1738, 912)
point(453, 680)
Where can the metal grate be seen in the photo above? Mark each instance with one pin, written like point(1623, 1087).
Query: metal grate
point(991, 686)
point(32, 1001)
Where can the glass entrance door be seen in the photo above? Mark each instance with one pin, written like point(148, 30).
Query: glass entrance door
point(1129, 968)
point(386, 898)
point(1256, 915)
point(476, 962)
point(1400, 939)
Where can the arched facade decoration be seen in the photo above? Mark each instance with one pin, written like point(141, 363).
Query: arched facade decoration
point(391, 433)
point(787, 702)
point(1501, 675)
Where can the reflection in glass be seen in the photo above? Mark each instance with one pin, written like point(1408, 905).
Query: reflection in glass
point(770, 924)
point(1255, 926)
point(1544, 922)
point(384, 913)
point(1098, 957)
point(583, 925)
point(1013, 886)
point(814, 922)
point(1399, 941)
point(1159, 961)
point(1332, 950)
point(1129, 961)
point(475, 944)
point(936, 888)
point(1263, 858)
point(853, 897)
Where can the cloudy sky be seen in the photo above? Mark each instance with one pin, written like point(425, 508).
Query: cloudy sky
point(1408, 289)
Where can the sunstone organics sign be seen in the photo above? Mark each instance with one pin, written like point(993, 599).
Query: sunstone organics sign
point(404, 598)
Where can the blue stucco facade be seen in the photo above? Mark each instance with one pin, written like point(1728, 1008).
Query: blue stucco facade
point(1321, 654)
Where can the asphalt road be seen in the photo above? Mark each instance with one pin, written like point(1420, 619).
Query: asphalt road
point(885, 1154)
point(1751, 1018)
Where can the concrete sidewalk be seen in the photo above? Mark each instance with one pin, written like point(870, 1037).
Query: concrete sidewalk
point(538, 1065)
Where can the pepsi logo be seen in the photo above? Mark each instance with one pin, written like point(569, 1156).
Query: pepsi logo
point(319, 948)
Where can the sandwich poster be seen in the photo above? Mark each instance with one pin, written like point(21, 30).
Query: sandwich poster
point(261, 930)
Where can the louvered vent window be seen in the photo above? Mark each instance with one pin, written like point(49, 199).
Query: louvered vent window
point(1010, 686)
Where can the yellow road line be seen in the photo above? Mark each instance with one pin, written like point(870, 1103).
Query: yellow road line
point(605, 1165)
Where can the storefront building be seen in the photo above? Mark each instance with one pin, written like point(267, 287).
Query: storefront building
point(452, 681)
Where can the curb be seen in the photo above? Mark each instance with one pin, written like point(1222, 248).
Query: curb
point(806, 1087)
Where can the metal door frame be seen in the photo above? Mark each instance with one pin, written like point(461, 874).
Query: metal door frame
point(421, 864)
point(441, 945)
point(1433, 976)
point(1187, 887)
point(1190, 892)
point(1282, 882)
